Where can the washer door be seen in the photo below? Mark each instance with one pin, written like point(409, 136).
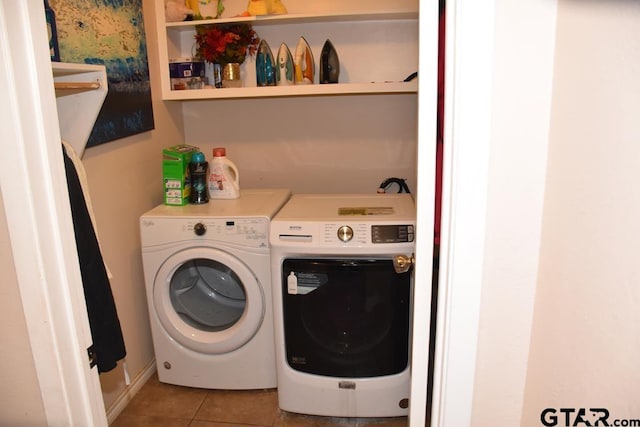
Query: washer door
point(208, 300)
point(346, 317)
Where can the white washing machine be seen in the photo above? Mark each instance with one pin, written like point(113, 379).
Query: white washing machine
point(342, 303)
point(208, 280)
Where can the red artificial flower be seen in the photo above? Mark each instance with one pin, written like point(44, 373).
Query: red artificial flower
point(225, 43)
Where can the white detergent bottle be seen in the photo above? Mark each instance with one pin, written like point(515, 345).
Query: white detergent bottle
point(224, 179)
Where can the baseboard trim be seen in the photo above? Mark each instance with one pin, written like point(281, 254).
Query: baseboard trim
point(127, 394)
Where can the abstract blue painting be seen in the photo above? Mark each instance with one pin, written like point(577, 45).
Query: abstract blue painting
point(110, 33)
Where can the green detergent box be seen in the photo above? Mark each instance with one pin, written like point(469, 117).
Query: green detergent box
point(175, 173)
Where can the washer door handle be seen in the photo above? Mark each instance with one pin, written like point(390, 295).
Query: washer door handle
point(402, 263)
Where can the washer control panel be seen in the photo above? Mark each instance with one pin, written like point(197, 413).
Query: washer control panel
point(363, 233)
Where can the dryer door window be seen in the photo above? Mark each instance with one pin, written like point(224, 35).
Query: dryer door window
point(208, 300)
point(346, 317)
point(207, 295)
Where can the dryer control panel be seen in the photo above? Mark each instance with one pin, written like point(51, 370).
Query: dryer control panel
point(250, 232)
point(231, 230)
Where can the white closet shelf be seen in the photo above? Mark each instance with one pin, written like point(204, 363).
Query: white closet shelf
point(295, 90)
point(65, 69)
point(80, 92)
point(377, 44)
point(297, 19)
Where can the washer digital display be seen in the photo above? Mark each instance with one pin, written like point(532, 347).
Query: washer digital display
point(392, 233)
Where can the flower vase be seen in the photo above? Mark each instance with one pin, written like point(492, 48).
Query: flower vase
point(231, 75)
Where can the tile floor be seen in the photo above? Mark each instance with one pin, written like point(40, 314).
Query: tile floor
point(165, 405)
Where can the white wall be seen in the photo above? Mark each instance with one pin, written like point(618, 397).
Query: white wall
point(585, 342)
point(314, 145)
point(521, 100)
point(558, 324)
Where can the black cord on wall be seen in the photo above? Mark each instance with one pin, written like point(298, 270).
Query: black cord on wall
point(389, 182)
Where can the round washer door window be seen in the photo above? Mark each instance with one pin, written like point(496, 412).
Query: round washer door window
point(208, 301)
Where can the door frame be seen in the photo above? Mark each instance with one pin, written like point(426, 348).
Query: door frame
point(487, 62)
point(467, 133)
point(423, 267)
point(36, 201)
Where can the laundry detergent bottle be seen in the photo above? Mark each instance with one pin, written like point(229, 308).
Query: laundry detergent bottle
point(198, 168)
point(224, 179)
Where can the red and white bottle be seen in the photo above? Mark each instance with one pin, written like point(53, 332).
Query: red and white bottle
point(224, 179)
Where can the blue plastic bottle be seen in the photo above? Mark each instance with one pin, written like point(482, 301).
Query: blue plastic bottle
point(198, 172)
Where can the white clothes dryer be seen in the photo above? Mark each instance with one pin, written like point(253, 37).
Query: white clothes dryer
point(342, 303)
point(208, 284)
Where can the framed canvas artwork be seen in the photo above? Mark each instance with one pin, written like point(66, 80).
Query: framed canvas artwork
point(110, 33)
